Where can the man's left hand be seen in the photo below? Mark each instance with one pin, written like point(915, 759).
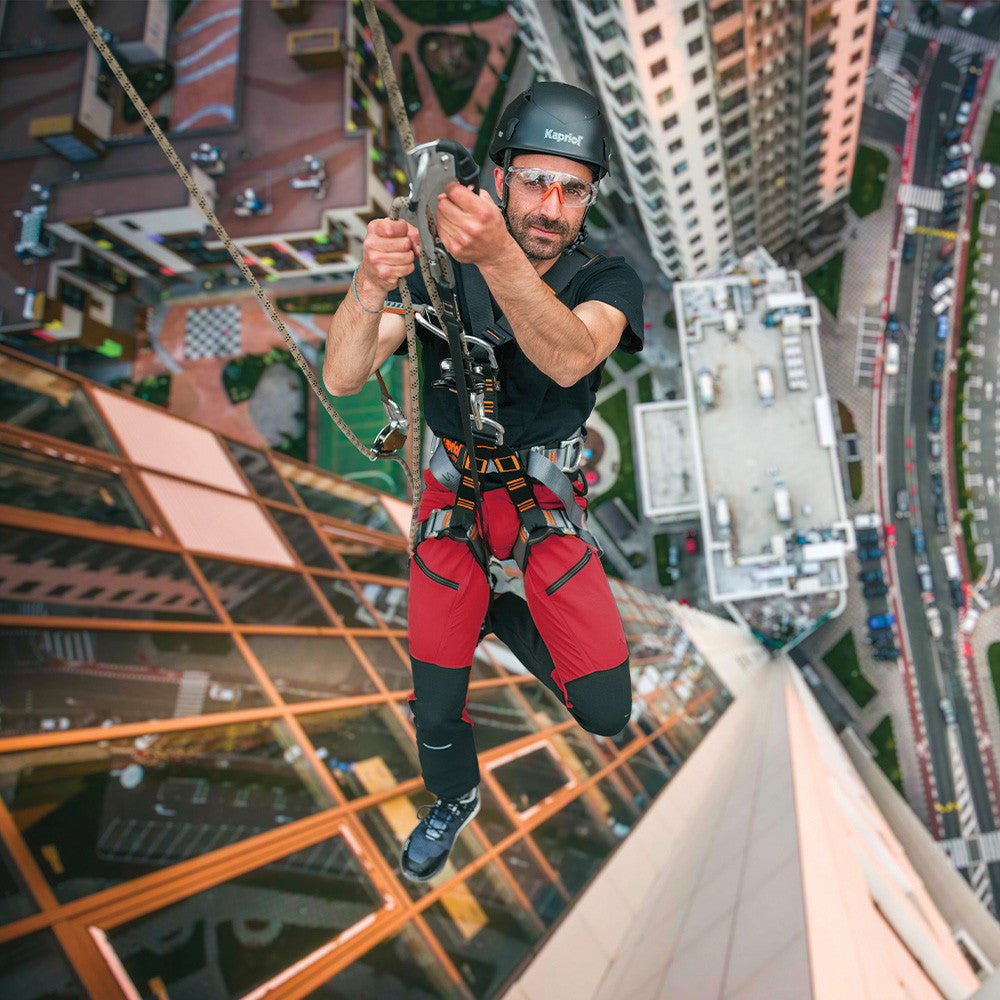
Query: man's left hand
point(471, 226)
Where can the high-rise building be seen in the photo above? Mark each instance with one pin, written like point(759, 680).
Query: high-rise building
point(207, 764)
point(735, 121)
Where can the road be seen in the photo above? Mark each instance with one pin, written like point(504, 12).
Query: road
point(910, 465)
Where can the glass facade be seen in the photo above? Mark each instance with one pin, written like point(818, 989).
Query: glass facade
point(207, 764)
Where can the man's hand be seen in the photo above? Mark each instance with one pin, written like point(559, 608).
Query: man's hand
point(471, 226)
point(388, 254)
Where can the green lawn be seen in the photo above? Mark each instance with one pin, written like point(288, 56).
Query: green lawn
point(868, 182)
point(825, 281)
point(991, 144)
point(885, 752)
point(993, 658)
point(615, 411)
point(842, 659)
point(645, 387)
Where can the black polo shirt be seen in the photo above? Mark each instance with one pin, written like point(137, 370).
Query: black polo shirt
point(533, 408)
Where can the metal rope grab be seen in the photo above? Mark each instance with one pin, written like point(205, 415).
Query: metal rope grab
point(406, 137)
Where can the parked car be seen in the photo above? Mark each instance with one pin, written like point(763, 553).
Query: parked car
point(909, 248)
point(868, 536)
point(946, 249)
point(691, 542)
point(952, 136)
point(887, 653)
point(934, 417)
point(902, 502)
point(941, 331)
point(910, 216)
point(934, 445)
point(937, 483)
point(957, 593)
point(940, 518)
point(947, 711)
point(917, 537)
point(933, 617)
point(943, 270)
point(886, 620)
point(962, 115)
point(958, 150)
point(867, 554)
point(871, 576)
point(942, 305)
point(925, 578)
point(969, 89)
point(874, 590)
point(880, 635)
point(950, 216)
point(939, 360)
point(935, 390)
point(944, 285)
point(954, 177)
point(976, 64)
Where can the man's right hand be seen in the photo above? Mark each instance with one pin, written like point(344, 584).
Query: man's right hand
point(388, 254)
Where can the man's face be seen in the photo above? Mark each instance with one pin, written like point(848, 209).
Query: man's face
point(543, 226)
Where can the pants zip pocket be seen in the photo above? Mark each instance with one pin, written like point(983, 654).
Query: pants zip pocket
point(570, 573)
point(436, 577)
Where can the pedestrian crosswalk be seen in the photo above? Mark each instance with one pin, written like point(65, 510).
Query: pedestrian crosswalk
point(892, 50)
point(191, 693)
point(947, 34)
point(929, 199)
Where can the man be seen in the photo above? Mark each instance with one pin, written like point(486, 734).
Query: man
point(551, 151)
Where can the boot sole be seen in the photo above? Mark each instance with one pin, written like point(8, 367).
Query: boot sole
point(413, 876)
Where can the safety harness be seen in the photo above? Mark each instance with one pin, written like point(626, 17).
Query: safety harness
point(459, 466)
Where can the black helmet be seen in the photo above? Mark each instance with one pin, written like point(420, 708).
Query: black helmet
point(553, 118)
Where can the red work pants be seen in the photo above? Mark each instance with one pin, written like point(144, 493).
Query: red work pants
point(569, 634)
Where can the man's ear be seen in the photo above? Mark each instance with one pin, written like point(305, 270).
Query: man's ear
point(498, 179)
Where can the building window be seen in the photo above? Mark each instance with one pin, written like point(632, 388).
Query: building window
point(695, 46)
point(857, 55)
point(679, 168)
point(853, 80)
point(851, 100)
point(862, 5)
point(676, 146)
point(643, 5)
point(684, 188)
point(669, 123)
point(858, 32)
point(660, 66)
point(690, 14)
point(710, 149)
point(699, 75)
point(665, 95)
point(617, 66)
point(733, 74)
point(645, 167)
point(718, 207)
point(717, 187)
point(729, 45)
point(713, 169)
point(706, 127)
point(654, 35)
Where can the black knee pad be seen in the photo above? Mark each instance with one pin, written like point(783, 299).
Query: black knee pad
point(441, 693)
point(602, 701)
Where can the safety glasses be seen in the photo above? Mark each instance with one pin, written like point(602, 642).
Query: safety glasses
point(536, 183)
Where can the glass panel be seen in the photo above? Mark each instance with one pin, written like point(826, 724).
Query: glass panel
point(574, 844)
point(530, 778)
point(546, 897)
point(540, 699)
point(35, 969)
point(365, 747)
point(399, 968)
point(497, 717)
point(346, 601)
point(650, 771)
point(362, 557)
point(303, 539)
point(305, 668)
point(326, 494)
point(59, 575)
point(38, 482)
point(43, 401)
point(484, 929)
point(389, 663)
point(258, 469)
point(102, 813)
point(229, 939)
point(254, 595)
point(15, 901)
point(69, 678)
point(624, 811)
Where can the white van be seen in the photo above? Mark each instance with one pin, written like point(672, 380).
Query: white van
point(942, 305)
point(952, 567)
point(944, 285)
point(892, 358)
point(765, 385)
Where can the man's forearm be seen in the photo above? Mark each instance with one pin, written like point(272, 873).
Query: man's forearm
point(351, 345)
point(551, 336)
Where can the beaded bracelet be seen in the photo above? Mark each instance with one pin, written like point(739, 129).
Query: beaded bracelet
point(354, 287)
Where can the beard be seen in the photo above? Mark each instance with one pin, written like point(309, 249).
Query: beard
point(540, 247)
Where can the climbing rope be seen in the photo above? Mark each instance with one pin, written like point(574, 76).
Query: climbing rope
point(406, 137)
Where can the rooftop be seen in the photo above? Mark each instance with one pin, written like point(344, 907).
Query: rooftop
point(772, 499)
